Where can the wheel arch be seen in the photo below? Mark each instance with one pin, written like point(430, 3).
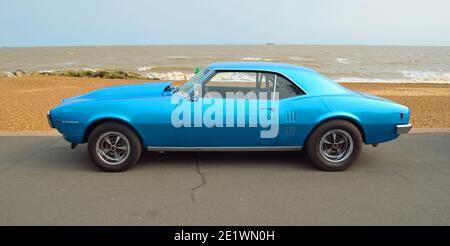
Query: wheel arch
point(353, 121)
point(100, 121)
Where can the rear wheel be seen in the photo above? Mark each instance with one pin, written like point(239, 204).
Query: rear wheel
point(334, 145)
point(114, 147)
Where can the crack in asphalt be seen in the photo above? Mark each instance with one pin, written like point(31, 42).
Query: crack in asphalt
point(27, 157)
point(202, 177)
point(403, 176)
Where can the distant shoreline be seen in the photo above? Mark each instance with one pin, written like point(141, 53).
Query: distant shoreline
point(355, 63)
point(25, 101)
point(259, 44)
point(172, 76)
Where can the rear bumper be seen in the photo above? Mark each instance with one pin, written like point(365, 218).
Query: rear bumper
point(403, 129)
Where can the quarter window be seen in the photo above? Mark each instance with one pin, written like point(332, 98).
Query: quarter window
point(286, 89)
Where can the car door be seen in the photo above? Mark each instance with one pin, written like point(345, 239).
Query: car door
point(230, 110)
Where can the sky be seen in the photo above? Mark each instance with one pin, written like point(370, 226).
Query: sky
point(147, 22)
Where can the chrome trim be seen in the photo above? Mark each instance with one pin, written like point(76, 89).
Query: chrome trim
point(336, 146)
point(403, 129)
point(265, 148)
point(214, 70)
point(49, 120)
point(200, 82)
point(115, 150)
point(274, 86)
point(276, 72)
point(70, 121)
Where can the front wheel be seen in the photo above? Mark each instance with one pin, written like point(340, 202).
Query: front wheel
point(114, 147)
point(334, 145)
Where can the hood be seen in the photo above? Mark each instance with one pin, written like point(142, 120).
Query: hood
point(133, 91)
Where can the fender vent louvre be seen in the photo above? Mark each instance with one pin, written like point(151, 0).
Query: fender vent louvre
point(291, 116)
point(290, 131)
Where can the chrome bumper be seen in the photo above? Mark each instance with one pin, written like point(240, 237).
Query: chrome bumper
point(403, 129)
point(49, 120)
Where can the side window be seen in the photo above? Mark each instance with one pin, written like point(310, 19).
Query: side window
point(223, 82)
point(286, 89)
point(245, 82)
point(265, 83)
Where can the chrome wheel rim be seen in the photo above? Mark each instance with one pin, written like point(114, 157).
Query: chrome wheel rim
point(113, 147)
point(336, 145)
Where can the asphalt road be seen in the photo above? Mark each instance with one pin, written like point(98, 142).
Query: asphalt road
point(404, 182)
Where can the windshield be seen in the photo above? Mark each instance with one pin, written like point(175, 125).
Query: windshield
point(184, 88)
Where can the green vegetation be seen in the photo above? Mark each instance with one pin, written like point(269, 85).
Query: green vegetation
point(105, 74)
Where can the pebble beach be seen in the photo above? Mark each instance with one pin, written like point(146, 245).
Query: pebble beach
point(25, 100)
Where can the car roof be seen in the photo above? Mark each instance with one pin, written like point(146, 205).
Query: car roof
point(265, 66)
point(310, 81)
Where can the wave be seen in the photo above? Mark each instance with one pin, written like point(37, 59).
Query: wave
point(178, 57)
point(250, 58)
point(426, 76)
point(89, 69)
point(388, 81)
point(413, 76)
point(49, 71)
point(342, 60)
point(168, 76)
point(185, 76)
point(144, 69)
point(167, 69)
point(303, 59)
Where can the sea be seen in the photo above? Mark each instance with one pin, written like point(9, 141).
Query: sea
point(389, 64)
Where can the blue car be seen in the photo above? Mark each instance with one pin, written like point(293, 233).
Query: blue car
point(231, 106)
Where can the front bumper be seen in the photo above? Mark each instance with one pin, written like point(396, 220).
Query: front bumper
point(403, 129)
point(49, 120)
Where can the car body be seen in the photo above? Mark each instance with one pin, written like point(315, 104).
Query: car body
point(311, 100)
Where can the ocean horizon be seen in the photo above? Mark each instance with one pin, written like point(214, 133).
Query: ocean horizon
point(349, 63)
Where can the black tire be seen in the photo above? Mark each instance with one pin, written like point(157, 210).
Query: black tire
point(342, 129)
point(129, 141)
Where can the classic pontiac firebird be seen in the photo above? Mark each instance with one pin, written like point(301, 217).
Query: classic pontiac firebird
point(330, 121)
